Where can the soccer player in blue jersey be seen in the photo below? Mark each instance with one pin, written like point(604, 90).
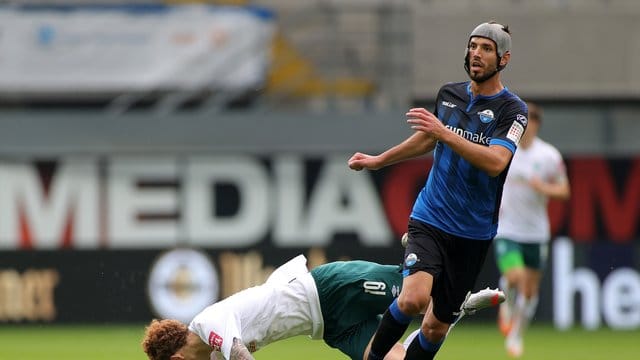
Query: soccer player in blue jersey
point(473, 133)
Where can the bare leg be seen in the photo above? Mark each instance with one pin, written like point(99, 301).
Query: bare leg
point(526, 304)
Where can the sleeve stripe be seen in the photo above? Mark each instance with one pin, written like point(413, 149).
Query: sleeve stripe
point(505, 143)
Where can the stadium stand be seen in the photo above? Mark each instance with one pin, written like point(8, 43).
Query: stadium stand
point(382, 54)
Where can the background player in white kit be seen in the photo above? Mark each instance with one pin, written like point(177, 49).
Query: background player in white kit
point(537, 174)
point(339, 302)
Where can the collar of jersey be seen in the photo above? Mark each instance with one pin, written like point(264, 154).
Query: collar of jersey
point(470, 93)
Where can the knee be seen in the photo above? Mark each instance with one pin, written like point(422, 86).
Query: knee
point(530, 292)
point(514, 276)
point(412, 303)
point(434, 331)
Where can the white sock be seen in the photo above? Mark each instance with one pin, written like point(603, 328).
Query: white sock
point(410, 338)
point(530, 306)
point(510, 294)
point(524, 311)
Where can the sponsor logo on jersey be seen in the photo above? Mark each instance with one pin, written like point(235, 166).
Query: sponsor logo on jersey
point(480, 138)
point(215, 341)
point(395, 290)
point(486, 116)
point(515, 132)
point(449, 104)
point(522, 119)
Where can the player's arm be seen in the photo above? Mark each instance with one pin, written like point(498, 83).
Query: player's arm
point(490, 159)
point(415, 145)
point(555, 188)
point(239, 351)
point(419, 143)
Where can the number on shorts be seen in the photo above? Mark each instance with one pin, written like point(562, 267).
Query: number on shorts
point(375, 287)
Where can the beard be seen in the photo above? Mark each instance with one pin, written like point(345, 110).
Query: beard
point(481, 78)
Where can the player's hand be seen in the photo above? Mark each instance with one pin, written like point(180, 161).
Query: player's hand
point(538, 185)
point(361, 161)
point(239, 351)
point(423, 120)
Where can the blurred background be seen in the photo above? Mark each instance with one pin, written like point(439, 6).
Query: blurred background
point(156, 156)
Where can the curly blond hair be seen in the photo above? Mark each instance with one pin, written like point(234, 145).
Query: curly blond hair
point(162, 338)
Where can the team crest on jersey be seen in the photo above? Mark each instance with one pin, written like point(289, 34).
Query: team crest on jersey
point(486, 116)
point(215, 341)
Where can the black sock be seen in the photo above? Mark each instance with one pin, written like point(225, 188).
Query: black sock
point(389, 332)
point(416, 350)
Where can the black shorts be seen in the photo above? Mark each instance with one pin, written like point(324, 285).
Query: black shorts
point(454, 262)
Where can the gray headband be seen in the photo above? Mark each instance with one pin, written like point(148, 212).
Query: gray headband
point(496, 33)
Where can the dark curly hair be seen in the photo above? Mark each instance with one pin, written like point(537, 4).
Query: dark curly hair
point(162, 338)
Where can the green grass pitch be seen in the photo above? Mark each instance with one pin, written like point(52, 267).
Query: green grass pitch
point(466, 341)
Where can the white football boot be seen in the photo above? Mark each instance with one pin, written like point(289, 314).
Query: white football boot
point(477, 301)
point(482, 299)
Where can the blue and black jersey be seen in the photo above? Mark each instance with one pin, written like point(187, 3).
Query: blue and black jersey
point(459, 198)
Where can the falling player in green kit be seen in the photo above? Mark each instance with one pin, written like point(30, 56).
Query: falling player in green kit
point(339, 302)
